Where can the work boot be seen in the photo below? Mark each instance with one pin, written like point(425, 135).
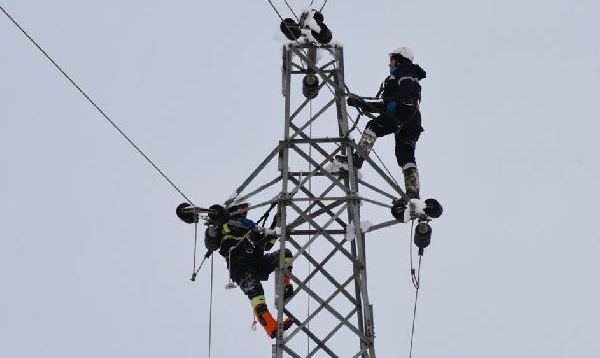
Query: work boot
point(365, 144)
point(356, 159)
point(264, 317)
point(411, 182)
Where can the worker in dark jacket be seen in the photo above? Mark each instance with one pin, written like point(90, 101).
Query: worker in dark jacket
point(243, 245)
point(399, 113)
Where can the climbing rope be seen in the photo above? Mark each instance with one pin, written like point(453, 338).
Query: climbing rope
point(64, 73)
point(210, 305)
point(412, 332)
point(195, 249)
point(416, 281)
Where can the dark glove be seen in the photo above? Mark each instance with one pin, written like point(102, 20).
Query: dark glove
point(288, 292)
point(356, 102)
point(391, 107)
point(187, 213)
point(212, 238)
point(218, 215)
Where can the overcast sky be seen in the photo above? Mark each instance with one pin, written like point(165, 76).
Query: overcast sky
point(94, 263)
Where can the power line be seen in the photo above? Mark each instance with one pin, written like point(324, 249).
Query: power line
point(274, 8)
point(292, 10)
point(92, 102)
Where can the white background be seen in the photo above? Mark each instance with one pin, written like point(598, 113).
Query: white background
point(94, 263)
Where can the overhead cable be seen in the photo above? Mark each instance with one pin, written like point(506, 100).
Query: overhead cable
point(64, 73)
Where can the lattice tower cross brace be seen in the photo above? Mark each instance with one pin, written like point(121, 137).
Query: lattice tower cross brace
point(294, 135)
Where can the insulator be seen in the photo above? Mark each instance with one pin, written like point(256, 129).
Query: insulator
point(324, 36)
point(290, 29)
point(398, 209)
point(422, 236)
point(310, 86)
point(318, 17)
point(433, 208)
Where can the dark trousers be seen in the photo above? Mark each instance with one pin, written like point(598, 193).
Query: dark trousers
point(248, 271)
point(406, 126)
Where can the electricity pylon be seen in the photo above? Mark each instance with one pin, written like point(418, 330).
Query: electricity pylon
point(320, 205)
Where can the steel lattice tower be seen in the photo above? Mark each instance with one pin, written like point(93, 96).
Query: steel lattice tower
point(321, 207)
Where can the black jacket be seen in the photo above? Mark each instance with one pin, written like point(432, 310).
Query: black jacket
point(403, 87)
point(241, 237)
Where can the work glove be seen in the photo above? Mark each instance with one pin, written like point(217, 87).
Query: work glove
point(212, 238)
point(391, 107)
point(356, 102)
point(288, 292)
point(187, 213)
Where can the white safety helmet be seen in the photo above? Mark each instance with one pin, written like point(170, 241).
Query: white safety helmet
point(404, 52)
point(239, 208)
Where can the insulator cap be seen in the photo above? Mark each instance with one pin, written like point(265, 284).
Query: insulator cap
point(422, 236)
point(310, 86)
point(290, 29)
point(325, 36)
point(433, 208)
point(318, 17)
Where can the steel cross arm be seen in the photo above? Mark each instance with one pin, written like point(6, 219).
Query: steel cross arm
point(383, 225)
point(310, 335)
point(308, 176)
point(323, 68)
point(298, 110)
point(381, 172)
point(319, 140)
point(363, 351)
point(319, 268)
point(339, 289)
point(260, 167)
point(310, 64)
point(332, 280)
point(372, 187)
point(319, 166)
point(259, 189)
point(289, 351)
point(313, 118)
point(332, 198)
point(314, 214)
point(312, 143)
point(314, 237)
point(325, 234)
point(324, 304)
point(375, 202)
point(335, 329)
point(317, 201)
point(300, 232)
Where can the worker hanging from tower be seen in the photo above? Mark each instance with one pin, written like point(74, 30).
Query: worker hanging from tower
point(398, 107)
point(243, 244)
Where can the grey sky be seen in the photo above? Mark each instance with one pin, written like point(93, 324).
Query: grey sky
point(94, 263)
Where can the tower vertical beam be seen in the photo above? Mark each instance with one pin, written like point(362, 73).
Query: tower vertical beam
point(343, 313)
